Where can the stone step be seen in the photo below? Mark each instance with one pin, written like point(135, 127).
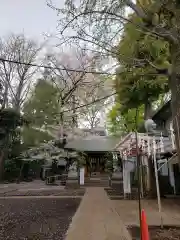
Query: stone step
point(96, 180)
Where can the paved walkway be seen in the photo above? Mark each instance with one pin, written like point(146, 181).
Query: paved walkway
point(96, 219)
point(128, 209)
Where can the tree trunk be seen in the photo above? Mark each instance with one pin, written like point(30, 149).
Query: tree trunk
point(151, 183)
point(5, 97)
point(174, 85)
point(1, 165)
point(147, 110)
point(74, 118)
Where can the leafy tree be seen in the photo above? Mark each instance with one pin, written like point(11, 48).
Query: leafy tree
point(32, 137)
point(10, 120)
point(120, 123)
point(137, 82)
point(41, 109)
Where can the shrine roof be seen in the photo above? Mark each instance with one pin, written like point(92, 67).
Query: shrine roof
point(93, 144)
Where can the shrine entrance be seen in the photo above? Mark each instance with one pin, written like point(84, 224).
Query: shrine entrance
point(95, 164)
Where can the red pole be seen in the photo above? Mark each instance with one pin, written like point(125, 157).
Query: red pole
point(144, 226)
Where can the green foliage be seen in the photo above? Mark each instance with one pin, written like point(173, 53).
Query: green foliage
point(10, 120)
point(144, 61)
point(109, 162)
point(120, 123)
point(43, 105)
point(11, 169)
point(41, 109)
point(32, 137)
point(141, 79)
point(81, 159)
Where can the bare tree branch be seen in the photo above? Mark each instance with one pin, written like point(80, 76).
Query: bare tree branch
point(17, 77)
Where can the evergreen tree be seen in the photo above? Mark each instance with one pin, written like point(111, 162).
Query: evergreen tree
point(137, 82)
point(41, 109)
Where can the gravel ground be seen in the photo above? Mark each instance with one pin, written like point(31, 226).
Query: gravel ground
point(36, 219)
point(64, 192)
point(167, 233)
point(115, 194)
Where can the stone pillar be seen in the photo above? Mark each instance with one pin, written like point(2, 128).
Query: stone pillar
point(73, 177)
point(116, 180)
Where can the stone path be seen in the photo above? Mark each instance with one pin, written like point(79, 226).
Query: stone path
point(96, 219)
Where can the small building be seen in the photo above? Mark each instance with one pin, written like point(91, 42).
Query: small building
point(163, 119)
point(166, 157)
point(95, 147)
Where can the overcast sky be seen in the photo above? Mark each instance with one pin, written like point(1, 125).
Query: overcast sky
point(32, 17)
